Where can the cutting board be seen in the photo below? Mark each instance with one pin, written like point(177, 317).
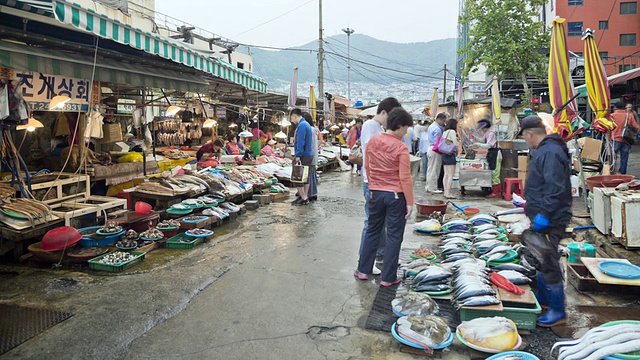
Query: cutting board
point(592, 266)
point(526, 298)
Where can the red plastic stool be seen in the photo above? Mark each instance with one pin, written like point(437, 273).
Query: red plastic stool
point(511, 186)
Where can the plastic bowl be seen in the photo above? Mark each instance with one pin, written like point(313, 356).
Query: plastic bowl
point(60, 238)
point(471, 211)
point(426, 207)
point(143, 208)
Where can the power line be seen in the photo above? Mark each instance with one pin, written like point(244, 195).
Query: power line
point(401, 63)
point(342, 56)
point(275, 18)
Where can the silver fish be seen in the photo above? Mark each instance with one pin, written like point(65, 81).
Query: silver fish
point(432, 273)
point(515, 277)
point(478, 301)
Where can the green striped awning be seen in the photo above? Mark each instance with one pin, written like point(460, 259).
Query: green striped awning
point(40, 7)
point(112, 29)
point(56, 62)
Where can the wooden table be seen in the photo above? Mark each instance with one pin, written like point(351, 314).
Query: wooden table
point(12, 239)
point(602, 278)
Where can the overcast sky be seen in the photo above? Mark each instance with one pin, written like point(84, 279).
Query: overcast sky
point(296, 21)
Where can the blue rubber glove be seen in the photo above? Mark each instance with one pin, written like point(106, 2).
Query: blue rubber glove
point(540, 223)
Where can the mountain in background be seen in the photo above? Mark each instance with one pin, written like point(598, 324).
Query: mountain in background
point(372, 61)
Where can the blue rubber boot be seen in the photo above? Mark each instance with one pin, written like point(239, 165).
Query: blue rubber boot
point(541, 293)
point(556, 314)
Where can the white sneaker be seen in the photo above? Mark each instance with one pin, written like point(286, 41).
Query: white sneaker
point(437, 191)
point(376, 271)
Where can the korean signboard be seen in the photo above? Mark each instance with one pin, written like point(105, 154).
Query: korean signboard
point(38, 90)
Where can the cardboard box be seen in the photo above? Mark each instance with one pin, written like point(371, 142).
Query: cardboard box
point(523, 166)
point(112, 133)
point(590, 148)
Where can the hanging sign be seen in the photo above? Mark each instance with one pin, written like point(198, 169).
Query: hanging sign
point(37, 93)
point(221, 113)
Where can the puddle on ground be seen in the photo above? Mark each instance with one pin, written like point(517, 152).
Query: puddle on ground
point(582, 318)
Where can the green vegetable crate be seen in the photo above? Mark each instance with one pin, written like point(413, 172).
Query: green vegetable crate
point(95, 263)
point(524, 317)
point(174, 243)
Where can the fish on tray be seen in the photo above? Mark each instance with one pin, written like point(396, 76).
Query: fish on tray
point(432, 273)
point(601, 342)
point(484, 300)
point(515, 277)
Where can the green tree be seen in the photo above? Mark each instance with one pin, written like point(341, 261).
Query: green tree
point(506, 37)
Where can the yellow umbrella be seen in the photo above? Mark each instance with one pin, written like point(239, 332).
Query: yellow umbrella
point(312, 102)
point(495, 101)
point(434, 104)
point(595, 77)
point(560, 82)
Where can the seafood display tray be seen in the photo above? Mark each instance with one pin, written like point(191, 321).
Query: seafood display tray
point(207, 221)
point(91, 238)
point(173, 242)
point(524, 316)
point(96, 265)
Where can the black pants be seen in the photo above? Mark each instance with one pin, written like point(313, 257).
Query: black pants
point(441, 178)
point(551, 268)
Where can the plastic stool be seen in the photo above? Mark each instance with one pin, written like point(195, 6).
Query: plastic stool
point(508, 188)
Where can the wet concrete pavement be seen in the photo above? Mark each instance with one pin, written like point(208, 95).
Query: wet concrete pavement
point(275, 284)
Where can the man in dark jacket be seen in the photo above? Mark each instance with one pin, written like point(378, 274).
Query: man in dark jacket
point(548, 195)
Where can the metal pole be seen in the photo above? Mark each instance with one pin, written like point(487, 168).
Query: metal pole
point(348, 31)
point(444, 88)
point(320, 53)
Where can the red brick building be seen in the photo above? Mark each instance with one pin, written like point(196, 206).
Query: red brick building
point(616, 24)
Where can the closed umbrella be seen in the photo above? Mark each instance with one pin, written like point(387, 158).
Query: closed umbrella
point(495, 101)
point(312, 102)
point(598, 91)
point(326, 110)
point(293, 90)
point(434, 104)
point(561, 92)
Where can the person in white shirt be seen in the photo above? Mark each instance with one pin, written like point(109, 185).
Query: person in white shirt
point(418, 130)
point(409, 139)
point(423, 146)
point(371, 128)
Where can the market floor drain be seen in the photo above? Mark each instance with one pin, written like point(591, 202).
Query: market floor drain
point(322, 333)
point(19, 324)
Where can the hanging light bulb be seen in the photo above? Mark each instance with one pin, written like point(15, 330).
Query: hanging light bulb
point(284, 122)
point(58, 102)
point(232, 125)
point(172, 110)
point(209, 123)
point(31, 125)
point(280, 135)
point(324, 132)
point(245, 134)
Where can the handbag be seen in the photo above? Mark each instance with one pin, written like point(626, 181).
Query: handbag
point(355, 155)
point(446, 149)
point(436, 146)
point(300, 173)
point(629, 133)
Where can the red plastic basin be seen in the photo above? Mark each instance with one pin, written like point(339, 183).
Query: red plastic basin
point(426, 207)
point(60, 238)
point(607, 180)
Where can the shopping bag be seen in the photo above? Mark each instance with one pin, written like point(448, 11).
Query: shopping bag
point(355, 155)
point(300, 173)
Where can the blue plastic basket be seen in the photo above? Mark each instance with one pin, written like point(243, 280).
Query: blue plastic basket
point(97, 240)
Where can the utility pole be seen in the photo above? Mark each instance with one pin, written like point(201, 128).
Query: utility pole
point(444, 88)
point(320, 54)
point(348, 31)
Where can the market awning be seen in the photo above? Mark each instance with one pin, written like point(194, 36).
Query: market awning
point(40, 7)
point(101, 25)
point(613, 80)
point(57, 62)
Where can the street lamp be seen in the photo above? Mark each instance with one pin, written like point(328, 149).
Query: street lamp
point(348, 31)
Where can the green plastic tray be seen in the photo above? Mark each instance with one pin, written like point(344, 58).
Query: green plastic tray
point(524, 318)
point(173, 242)
point(96, 265)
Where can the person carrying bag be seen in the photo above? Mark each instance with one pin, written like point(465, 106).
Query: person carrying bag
point(300, 174)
